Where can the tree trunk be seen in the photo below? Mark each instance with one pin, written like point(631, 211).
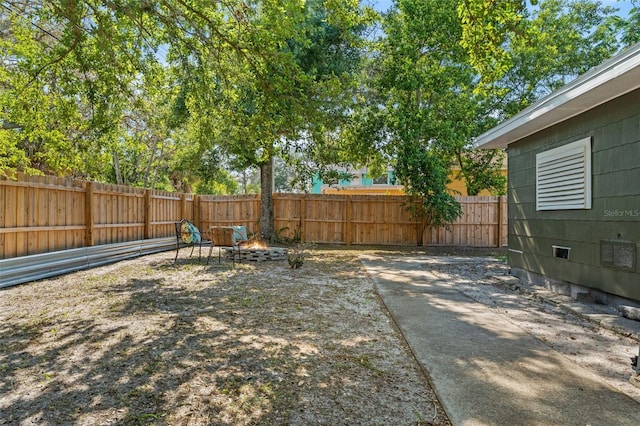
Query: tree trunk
point(266, 200)
point(116, 166)
point(244, 182)
point(147, 171)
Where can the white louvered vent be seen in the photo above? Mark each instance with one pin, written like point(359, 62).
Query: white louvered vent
point(563, 177)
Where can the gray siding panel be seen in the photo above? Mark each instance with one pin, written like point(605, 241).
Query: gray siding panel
point(615, 213)
point(624, 157)
point(617, 183)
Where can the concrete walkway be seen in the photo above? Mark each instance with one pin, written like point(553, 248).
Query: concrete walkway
point(484, 370)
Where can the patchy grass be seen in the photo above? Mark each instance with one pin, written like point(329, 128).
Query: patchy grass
point(147, 341)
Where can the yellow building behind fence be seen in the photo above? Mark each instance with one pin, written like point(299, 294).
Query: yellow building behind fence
point(360, 184)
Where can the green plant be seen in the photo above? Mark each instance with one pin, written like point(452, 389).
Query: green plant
point(501, 258)
point(278, 234)
point(296, 255)
point(296, 258)
point(280, 238)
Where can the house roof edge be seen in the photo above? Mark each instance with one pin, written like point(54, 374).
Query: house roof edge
point(609, 80)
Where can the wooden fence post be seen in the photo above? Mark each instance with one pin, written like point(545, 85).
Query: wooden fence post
point(348, 214)
point(147, 214)
point(88, 215)
point(303, 214)
point(183, 206)
point(196, 211)
point(500, 221)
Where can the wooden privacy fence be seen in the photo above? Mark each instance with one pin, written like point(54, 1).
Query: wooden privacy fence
point(41, 214)
point(384, 219)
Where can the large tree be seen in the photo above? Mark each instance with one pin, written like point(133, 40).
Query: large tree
point(559, 39)
point(564, 38)
point(123, 89)
point(421, 106)
point(433, 86)
point(544, 49)
point(288, 99)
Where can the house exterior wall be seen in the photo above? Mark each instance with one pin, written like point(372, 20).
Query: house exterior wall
point(614, 128)
point(360, 184)
point(364, 186)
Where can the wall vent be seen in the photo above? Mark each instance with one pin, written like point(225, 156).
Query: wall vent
point(618, 254)
point(561, 252)
point(563, 177)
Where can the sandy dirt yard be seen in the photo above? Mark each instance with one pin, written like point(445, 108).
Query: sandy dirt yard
point(147, 341)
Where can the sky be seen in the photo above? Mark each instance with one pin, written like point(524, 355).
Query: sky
point(623, 5)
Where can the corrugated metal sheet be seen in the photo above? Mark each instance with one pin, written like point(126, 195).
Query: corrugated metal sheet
point(30, 268)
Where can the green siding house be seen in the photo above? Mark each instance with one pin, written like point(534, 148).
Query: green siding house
point(574, 184)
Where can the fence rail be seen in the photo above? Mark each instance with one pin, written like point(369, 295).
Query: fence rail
point(40, 214)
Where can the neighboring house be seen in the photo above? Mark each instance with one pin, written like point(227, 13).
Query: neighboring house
point(362, 184)
point(574, 183)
